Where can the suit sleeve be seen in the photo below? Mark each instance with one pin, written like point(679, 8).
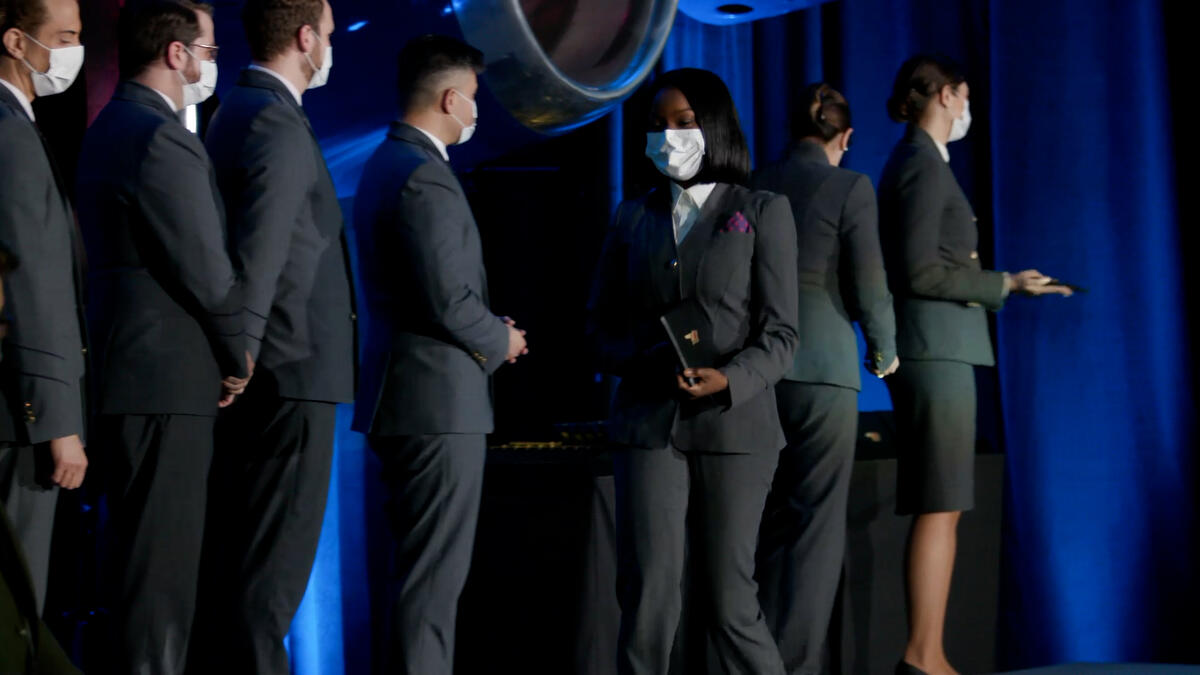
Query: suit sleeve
point(264, 211)
point(186, 226)
point(866, 275)
point(608, 329)
point(774, 338)
point(433, 220)
point(43, 344)
point(922, 199)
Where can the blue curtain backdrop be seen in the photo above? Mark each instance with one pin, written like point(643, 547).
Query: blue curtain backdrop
point(1070, 166)
point(1101, 454)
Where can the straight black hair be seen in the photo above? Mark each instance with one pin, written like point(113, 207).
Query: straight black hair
point(726, 157)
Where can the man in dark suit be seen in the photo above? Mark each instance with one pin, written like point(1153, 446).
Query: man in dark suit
point(842, 279)
point(26, 644)
point(431, 345)
point(275, 447)
point(166, 310)
point(41, 376)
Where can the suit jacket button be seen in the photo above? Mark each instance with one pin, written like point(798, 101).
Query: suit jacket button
point(974, 255)
point(353, 316)
point(674, 264)
point(83, 350)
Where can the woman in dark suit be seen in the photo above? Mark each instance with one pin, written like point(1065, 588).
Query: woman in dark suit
point(929, 239)
point(704, 245)
point(842, 280)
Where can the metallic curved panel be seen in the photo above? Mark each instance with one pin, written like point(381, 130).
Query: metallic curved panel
point(559, 64)
point(725, 12)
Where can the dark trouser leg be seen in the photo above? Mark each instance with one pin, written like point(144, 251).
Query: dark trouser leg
point(652, 503)
point(270, 479)
point(803, 537)
point(729, 492)
point(434, 487)
point(158, 471)
point(30, 499)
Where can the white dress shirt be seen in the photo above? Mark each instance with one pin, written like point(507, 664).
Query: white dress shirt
point(687, 205)
point(21, 98)
point(287, 83)
point(437, 142)
point(944, 150)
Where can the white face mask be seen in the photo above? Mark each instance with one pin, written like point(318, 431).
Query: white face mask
point(65, 63)
point(320, 75)
point(198, 92)
point(676, 153)
point(958, 130)
point(468, 130)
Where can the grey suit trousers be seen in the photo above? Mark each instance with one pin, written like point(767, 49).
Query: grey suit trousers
point(267, 493)
point(803, 537)
point(157, 489)
point(30, 500)
point(724, 493)
point(434, 485)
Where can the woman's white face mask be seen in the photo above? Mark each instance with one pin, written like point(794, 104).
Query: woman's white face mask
point(958, 130)
point(676, 153)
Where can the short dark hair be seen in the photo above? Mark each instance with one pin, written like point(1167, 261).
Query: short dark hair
point(822, 112)
point(24, 15)
point(271, 25)
point(726, 156)
point(427, 58)
point(146, 27)
point(918, 81)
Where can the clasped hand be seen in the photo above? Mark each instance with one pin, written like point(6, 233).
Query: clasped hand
point(232, 387)
point(707, 381)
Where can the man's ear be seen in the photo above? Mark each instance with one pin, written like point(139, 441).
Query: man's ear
point(305, 41)
point(14, 43)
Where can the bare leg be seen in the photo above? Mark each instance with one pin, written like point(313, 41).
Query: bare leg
point(932, 542)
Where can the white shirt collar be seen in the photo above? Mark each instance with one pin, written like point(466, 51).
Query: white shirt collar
point(698, 193)
point(944, 150)
point(686, 207)
point(21, 98)
point(290, 87)
point(437, 142)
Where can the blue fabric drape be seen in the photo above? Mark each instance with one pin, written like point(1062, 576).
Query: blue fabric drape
point(1101, 458)
point(1070, 167)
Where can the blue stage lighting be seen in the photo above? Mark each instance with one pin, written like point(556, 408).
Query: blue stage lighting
point(722, 12)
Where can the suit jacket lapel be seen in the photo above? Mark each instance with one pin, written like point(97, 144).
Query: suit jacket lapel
point(658, 248)
point(697, 242)
point(78, 257)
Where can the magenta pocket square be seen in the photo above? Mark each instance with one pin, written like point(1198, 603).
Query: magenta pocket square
point(738, 223)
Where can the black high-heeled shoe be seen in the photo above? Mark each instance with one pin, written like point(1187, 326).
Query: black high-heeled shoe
point(906, 668)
